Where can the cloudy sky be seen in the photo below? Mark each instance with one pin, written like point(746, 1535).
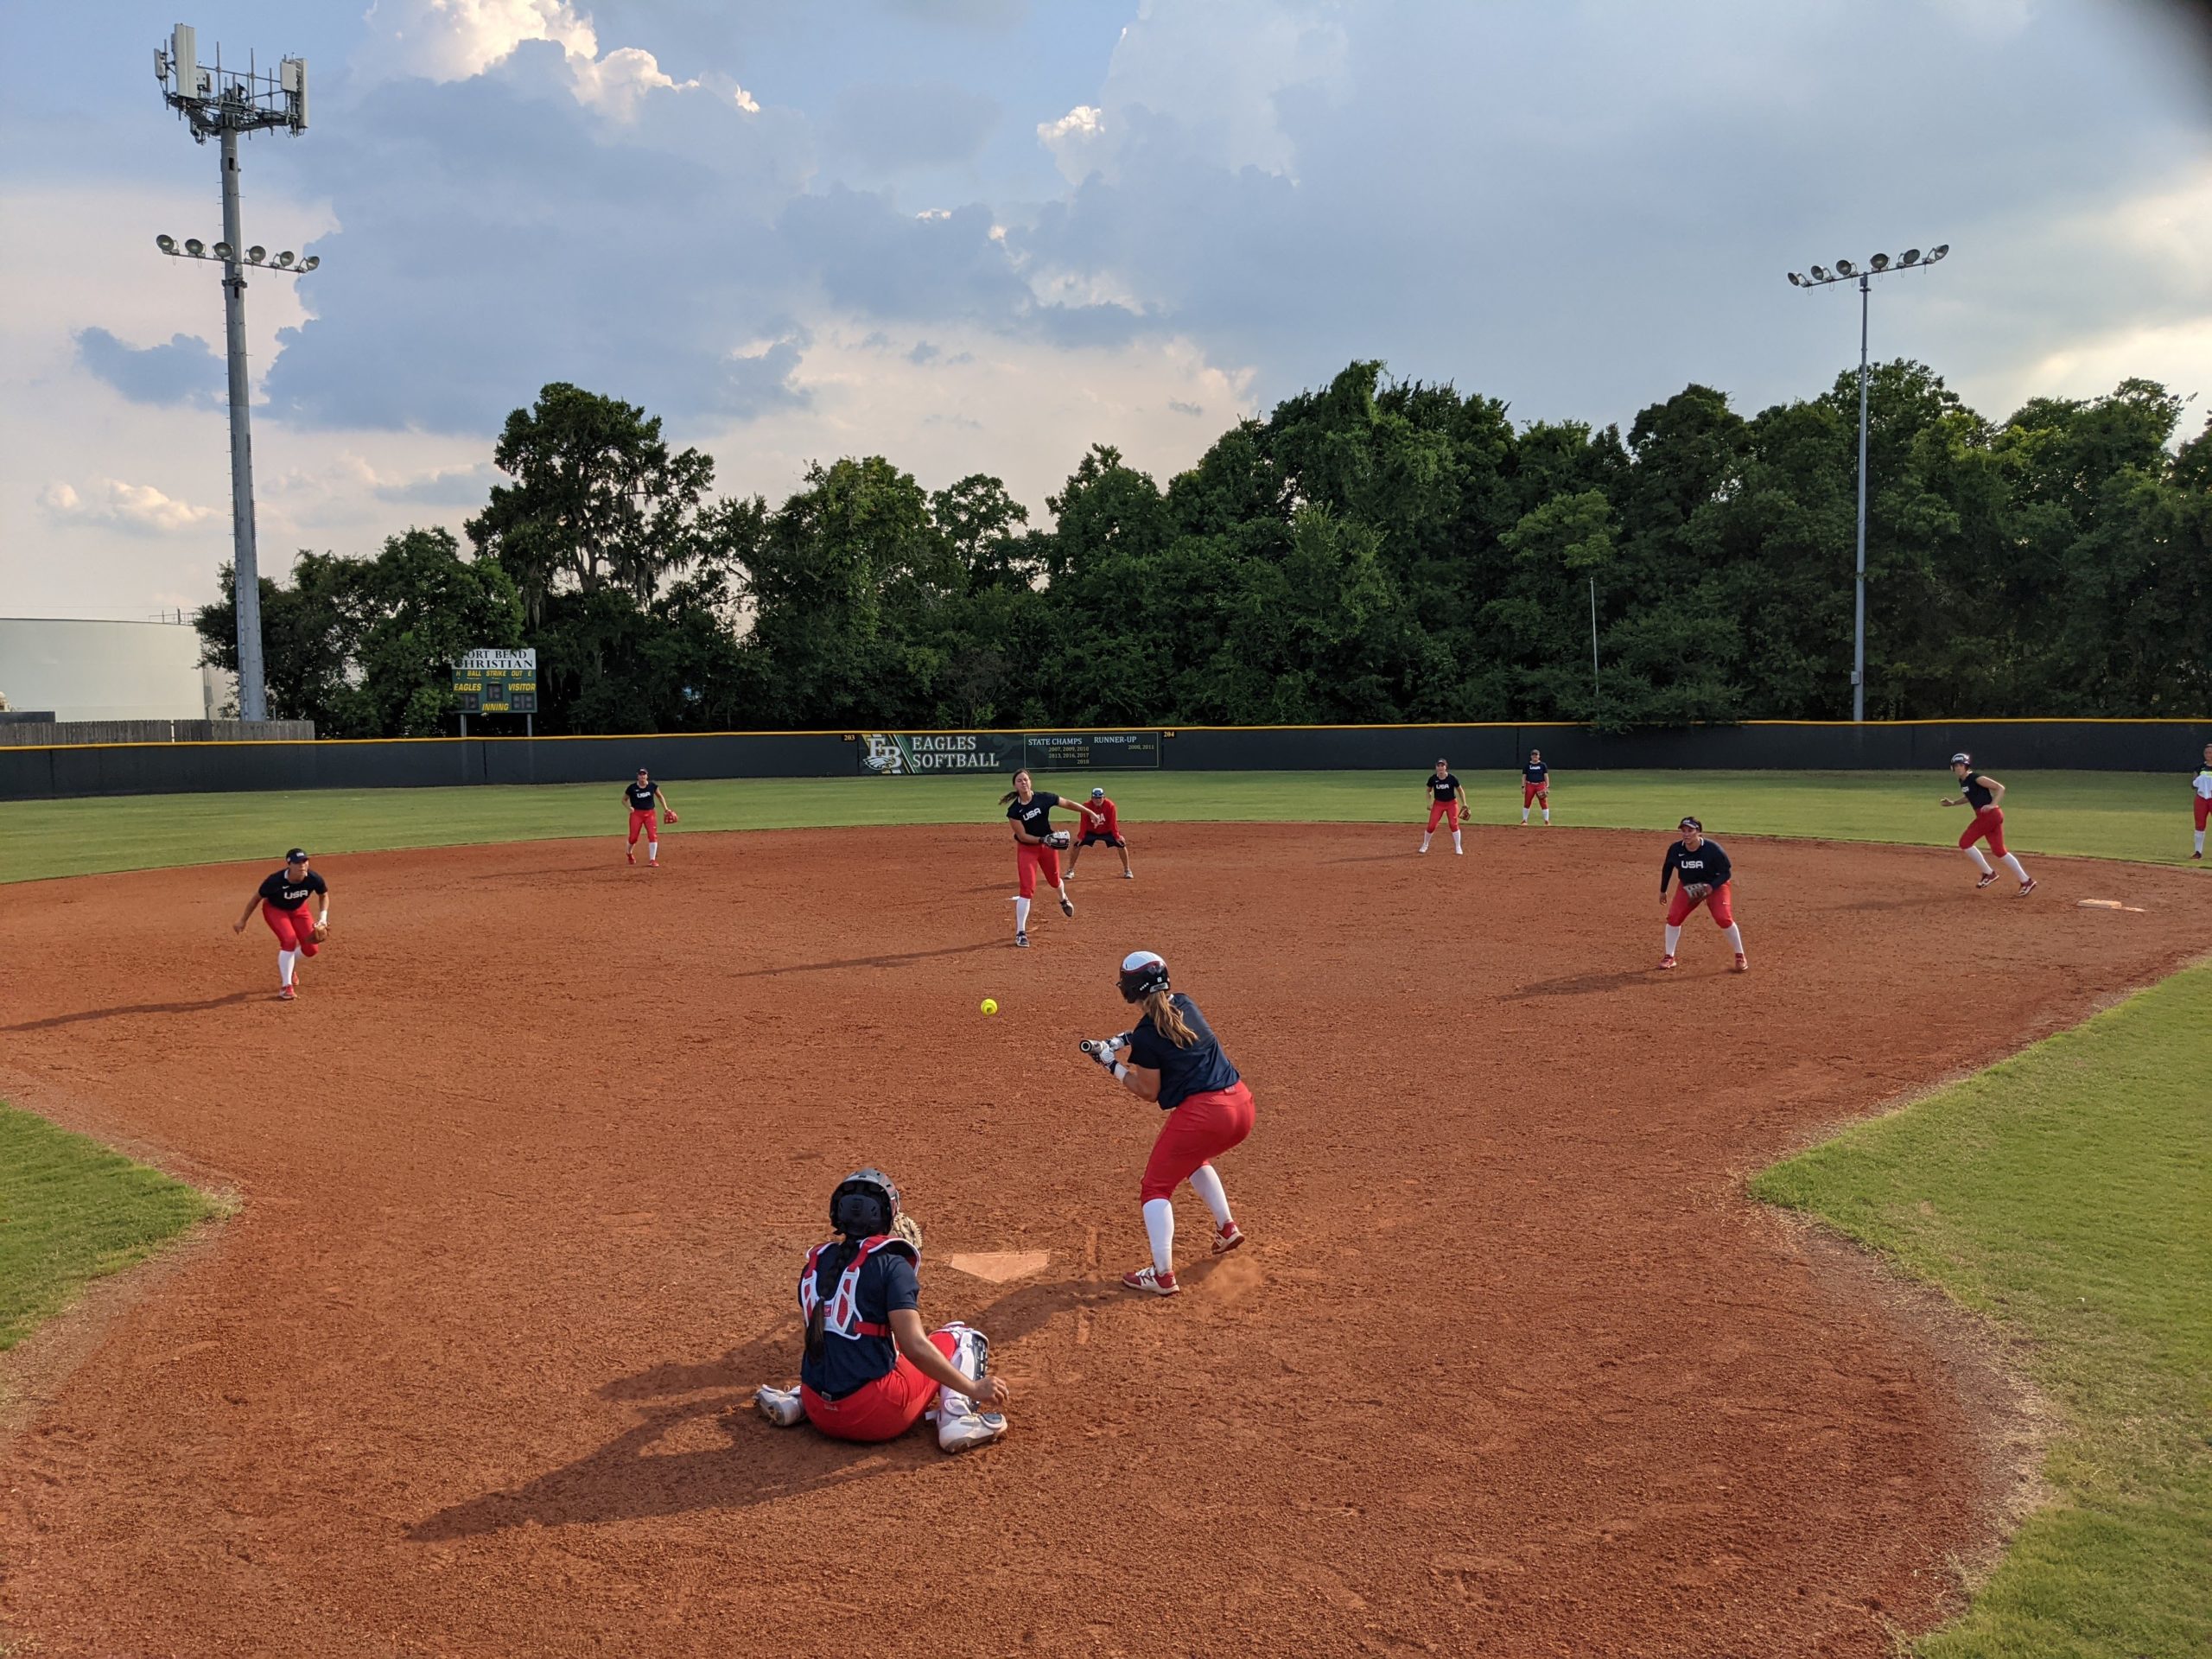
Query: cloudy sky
point(983, 234)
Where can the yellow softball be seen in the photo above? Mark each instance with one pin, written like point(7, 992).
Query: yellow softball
point(990, 1005)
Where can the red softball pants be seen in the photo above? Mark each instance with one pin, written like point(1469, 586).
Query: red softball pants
point(1196, 1132)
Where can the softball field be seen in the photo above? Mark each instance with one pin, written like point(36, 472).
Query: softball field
point(1512, 1366)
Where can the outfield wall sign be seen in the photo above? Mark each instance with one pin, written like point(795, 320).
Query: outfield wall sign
point(494, 682)
point(903, 754)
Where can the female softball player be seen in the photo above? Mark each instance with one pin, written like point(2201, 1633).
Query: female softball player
point(1536, 785)
point(1985, 794)
point(282, 899)
point(1443, 805)
point(1704, 873)
point(1037, 846)
point(1173, 1056)
point(1104, 825)
point(641, 796)
point(868, 1369)
point(2202, 789)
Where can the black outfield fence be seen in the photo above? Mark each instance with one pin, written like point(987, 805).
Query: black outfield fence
point(163, 768)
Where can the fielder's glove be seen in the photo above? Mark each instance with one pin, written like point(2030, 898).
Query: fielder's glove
point(1696, 889)
point(1060, 841)
point(668, 818)
point(321, 931)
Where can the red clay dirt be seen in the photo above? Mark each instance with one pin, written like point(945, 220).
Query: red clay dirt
point(1509, 1367)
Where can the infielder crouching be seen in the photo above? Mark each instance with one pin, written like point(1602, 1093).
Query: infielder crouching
point(1173, 1056)
point(1704, 871)
point(869, 1370)
point(282, 899)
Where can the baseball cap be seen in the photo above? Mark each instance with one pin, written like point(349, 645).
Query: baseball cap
point(1097, 794)
point(1690, 823)
point(297, 855)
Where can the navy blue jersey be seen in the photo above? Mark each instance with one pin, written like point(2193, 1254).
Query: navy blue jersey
point(1709, 864)
point(887, 1281)
point(280, 892)
point(1446, 788)
point(1976, 792)
point(1035, 818)
point(1198, 1070)
point(641, 796)
point(1536, 773)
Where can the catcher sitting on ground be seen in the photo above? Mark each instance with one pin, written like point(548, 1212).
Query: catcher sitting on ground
point(869, 1370)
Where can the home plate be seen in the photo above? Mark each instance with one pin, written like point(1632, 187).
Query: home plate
point(999, 1266)
point(2105, 904)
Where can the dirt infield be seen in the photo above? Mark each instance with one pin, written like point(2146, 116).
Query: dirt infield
point(1511, 1366)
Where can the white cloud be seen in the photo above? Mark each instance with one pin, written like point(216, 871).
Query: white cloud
point(457, 40)
point(137, 507)
point(1074, 140)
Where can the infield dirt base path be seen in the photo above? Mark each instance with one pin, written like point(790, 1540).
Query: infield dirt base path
point(1509, 1367)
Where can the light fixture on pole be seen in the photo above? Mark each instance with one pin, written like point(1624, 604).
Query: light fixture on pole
point(1845, 271)
point(223, 103)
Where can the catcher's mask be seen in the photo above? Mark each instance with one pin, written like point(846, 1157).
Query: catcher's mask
point(865, 1204)
point(1143, 972)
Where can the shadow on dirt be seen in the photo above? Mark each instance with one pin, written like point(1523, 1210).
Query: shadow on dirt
point(869, 962)
point(1579, 985)
point(629, 1478)
point(129, 1009)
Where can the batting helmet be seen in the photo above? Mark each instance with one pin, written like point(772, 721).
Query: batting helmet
point(1143, 972)
point(1962, 759)
point(865, 1204)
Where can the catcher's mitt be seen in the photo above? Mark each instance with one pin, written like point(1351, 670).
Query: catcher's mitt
point(1060, 841)
point(910, 1229)
point(321, 933)
point(1696, 889)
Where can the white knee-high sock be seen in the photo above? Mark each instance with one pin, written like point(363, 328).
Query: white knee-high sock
point(1207, 1185)
point(1456, 846)
point(1548, 815)
point(1734, 935)
point(1673, 938)
point(1980, 862)
point(1424, 843)
point(1160, 1227)
point(653, 849)
point(1021, 915)
point(2200, 840)
point(1524, 815)
point(285, 962)
point(2020, 870)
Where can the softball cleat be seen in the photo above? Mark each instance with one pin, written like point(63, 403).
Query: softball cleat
point(1152, 1282)
point(1022, 941)
point(966, 1433)
point(2027, 886)
point(1743, 963)
point(781, 1407)
point(1666, 962)
point(286, 993)
point(1067, 907)
point(1228, 1238)
point(1984, 881)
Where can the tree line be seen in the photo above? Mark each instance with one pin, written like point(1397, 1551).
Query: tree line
point(1377, 551)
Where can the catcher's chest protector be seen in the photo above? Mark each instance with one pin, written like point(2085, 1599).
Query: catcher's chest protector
point(842, 1317)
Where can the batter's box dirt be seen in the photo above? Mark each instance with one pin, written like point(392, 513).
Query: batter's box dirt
point(1508, 1366)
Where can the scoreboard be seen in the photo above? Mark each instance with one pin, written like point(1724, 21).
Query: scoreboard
point(496, 683)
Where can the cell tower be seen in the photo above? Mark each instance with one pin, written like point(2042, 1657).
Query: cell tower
point(223, 103)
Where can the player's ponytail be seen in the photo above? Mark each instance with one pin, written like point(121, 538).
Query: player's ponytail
point(1167, 1020)
point(840, 1257)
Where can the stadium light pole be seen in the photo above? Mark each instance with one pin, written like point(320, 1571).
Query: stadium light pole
point(1820, 276)
point(224, 103)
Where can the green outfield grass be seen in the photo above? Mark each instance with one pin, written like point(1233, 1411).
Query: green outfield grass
point(2066, 1192)
point(2111, 814)
point(71, 1210)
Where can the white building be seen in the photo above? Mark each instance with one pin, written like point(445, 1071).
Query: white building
point(108, 670)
